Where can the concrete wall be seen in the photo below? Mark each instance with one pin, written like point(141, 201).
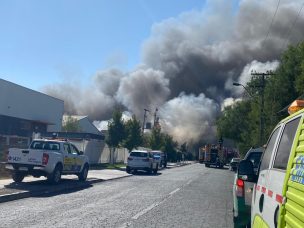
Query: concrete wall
point(99, 152)
point(92, 148)
point(21, 102)
point(120, 155)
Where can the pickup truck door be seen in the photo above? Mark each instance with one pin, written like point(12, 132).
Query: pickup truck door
point(78, 159)
point(68, 161)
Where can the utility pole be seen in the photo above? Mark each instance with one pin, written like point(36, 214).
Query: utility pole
point(262, 77)
point(145, 116)
point(155, 117)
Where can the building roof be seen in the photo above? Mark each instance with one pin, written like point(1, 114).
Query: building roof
point(23, 87)
point(65, 117)
point(90, 127)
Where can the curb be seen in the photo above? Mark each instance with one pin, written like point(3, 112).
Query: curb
point(59, 188)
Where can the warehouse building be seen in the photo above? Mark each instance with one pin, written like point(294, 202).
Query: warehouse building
point(25, 113)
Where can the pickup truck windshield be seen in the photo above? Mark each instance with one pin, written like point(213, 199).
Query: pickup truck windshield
point(43, 145)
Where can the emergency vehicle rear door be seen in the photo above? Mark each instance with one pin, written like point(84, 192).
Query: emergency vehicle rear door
point(260, 193)
point(274, 186)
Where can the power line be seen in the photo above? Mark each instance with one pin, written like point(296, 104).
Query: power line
point(291, 28)
point(272, 20)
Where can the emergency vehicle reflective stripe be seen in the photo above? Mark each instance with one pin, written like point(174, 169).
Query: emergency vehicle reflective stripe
point(279, 198)
point(270, 193)
point(258, 187)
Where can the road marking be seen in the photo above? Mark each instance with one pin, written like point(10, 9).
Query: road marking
point(189, 182)
point(125, 225)
point(144, 211)
point(176, 190)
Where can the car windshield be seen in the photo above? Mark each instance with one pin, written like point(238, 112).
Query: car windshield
point(156, 153)
point(44, 145)
point(255, 159)
point(139, 154)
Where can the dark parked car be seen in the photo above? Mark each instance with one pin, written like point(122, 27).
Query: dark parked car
point(242, 190)
point(234, 163)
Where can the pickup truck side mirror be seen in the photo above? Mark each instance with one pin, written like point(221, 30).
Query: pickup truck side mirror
point(246, 171)
point(81, 153)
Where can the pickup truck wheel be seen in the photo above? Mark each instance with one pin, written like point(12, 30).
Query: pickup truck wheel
point(84, 173)
point(55, 177)
point(17, 176)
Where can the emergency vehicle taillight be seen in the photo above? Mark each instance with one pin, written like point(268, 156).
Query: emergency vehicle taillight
point(240, 183)
point(296, 106)
point(240, 188)
point(45, 159)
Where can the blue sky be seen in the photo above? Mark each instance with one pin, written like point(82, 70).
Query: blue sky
point(43, 42)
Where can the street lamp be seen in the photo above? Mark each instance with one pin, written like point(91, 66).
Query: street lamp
point(239, 84)
point(261, 104)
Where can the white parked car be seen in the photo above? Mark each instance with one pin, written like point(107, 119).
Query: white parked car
point(142, 160)
point(49, 158)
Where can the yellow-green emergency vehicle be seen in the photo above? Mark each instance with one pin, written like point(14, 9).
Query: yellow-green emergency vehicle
point(278, 193)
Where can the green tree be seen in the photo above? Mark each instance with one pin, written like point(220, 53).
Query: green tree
point(116, 133)
point(156, 139)
point(235, 123)
point(183, 147)
point(71, 125)
point(241, 122)
point(169, 147)
point(133, 133)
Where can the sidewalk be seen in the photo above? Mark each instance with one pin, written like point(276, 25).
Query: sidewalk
point(38, 186)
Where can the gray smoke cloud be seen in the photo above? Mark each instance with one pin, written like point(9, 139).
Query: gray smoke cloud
point(96, 100)
point(189, 64)
point(189, 117)
point(143, 88)
point(200, 51)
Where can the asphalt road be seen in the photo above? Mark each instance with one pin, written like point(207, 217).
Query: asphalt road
point(189, 196)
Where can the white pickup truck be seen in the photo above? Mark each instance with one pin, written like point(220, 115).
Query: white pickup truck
point(49, 158)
